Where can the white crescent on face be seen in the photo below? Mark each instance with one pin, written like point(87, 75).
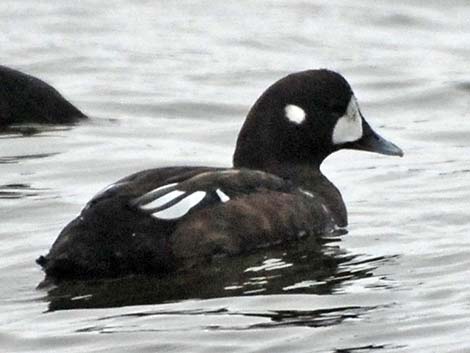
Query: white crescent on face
point(348, 128)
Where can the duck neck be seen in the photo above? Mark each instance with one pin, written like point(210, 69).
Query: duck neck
point(309, 177)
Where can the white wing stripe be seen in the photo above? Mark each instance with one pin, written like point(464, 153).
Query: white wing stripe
point(180, 208)
point(167, 202)
point(162, 200)
point(154, 194)
point(222, 195)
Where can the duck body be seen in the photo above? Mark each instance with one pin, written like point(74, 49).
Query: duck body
point(27, 99)
point(166, 219)
point(242, 210)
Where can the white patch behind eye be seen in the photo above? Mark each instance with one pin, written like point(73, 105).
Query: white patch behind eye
point(348, 128)
point(181, 208)
point(294, 113)
point(222, 195)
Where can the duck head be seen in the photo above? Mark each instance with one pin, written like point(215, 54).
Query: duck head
point(302, 119)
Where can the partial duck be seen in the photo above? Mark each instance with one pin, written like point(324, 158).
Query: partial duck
point(166, 219)
point(27, 99)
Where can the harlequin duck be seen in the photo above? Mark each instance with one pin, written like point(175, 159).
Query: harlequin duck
point(166, 219)
point(27, 99)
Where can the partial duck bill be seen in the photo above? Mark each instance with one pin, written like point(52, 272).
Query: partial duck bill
point(373, 142)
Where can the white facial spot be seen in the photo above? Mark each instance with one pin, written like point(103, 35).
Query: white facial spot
point(182, 207)
point(348, 128)
point(294, 113)
point(222, 195)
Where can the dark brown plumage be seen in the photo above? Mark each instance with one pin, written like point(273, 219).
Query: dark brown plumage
point(27, 99)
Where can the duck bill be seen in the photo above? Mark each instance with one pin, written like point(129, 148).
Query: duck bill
point(373, 142)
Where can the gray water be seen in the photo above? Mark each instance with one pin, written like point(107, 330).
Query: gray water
point(169, 83)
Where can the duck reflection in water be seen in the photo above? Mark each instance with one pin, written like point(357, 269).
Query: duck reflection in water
point(309, 266)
